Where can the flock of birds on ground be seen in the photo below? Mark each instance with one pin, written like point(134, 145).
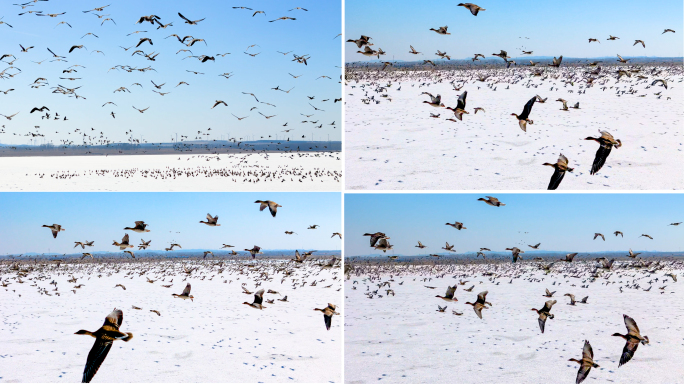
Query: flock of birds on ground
point(311, 103)
point(241, 172)
point(621, 78)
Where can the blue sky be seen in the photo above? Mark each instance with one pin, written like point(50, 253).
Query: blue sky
point(102, 217)
point(187, 109)
point(560, 222)
point(553, 27)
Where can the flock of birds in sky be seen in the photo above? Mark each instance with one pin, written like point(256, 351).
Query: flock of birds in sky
point(62, 75)
point(380, 80)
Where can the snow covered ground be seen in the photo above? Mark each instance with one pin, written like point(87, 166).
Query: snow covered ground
point(318, 171)
point(214, 338)
point(403, 339)
point(397, 145)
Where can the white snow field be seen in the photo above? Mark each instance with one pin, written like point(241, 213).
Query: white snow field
point(404, 339)
point(318, 171)
point(214, 338)
point(395, 144)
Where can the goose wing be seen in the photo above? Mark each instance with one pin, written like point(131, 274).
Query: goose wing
point(481, 297)
point(328, 320)
point(600, 158)
point(96, 356)
point(631, 325)
point(259, 297)
point(450, 292)
point(628, 351)
point(273, 208)
point(542, 321)
point(124, 240)
point(527, 109)
point(556, 179)
point(186, 291)
point(462, 100)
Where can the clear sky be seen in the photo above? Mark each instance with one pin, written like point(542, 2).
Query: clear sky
point(560, 222)
point(186, 109)
point(102, 217)
point(553, 27)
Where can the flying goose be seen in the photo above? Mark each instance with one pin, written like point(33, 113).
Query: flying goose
point(544, 313)
point(449, 295)
point(586, 363)
point(441, 30)
point(104, 337)
point(272, 206)
point(457, 225)
point(328, 313)
point(460, 106)
point(606, 143)
point(560, 167)
point(493, 201)
point(633, 338)
point(523, 118)
point(374, 237)
point(56, 228)
point(185, 295)
point(123, 244)
point(474, 9)
point(211, 221)
point(258, 299)
point(479, 304)
point(139, 227)
point(597, 235)
point(187, 21)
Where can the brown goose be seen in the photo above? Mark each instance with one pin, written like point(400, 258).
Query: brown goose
point(460, 106)
point(599, 235)
point(457, 225)
point(383, 245)
point(523, 118)
point(258, 299)
point(633, 338)
point(569, 257)
point(123, 244)
point(544, 313)
point(254, 251)
point(441, 30)
point(435, 101)
point(56, 228)
point(516, 253)
point(185, 294)
point(139, 227)
point(413, 50)
point(474, 9)
point(104, 337)
point(479, 304)
point(493, 201)
point(560, 167)
point(328, 313)
point(272, 206)
point(449, 248)
point(586, 363)
point(374, 237)
point(449, 295)
point(211, 221)
point(606, 142)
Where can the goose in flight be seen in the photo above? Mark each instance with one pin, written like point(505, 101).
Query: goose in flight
point(645, 235)
point(449, 248)
point(104, 337)
point(668, 30)
point(141, 110)
point(560, 167)
point(413, 50)
point(586, 363)
point(556, 62)
point(661, 81)
point(211, 221)
point(632, 254)
point(480, 303)
point(130, 253)
point(254, 251)
point(374, 237)
point(449, 295)
point(545, 313)
point(597, 235)
point(283, 18)
point(272, 206)
point(616, 233)
point(185, 295)
point(534, 246)
point(620, 59)
point(420, 245)
point(611, 37)
point(457, 225)
point(187, 21)
point(460, 106)
point(41, 109)
point(383, 245)
point(87, 254)
point(144, 244)
point(336, 234)
point(569, 257)
point(328, 313)
point(523, 118)
point(55, 228)
point(491, 200)
point(435, 101)
point(258, 299)
point(596, 40)
point(123, 244)
point(474, 9)
point(139, 227)
point(219, 102)
point(606, 143)
point(639, 41)
point(367, 51)
point(633, 338)
point(515, 253)
point(441, 30)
